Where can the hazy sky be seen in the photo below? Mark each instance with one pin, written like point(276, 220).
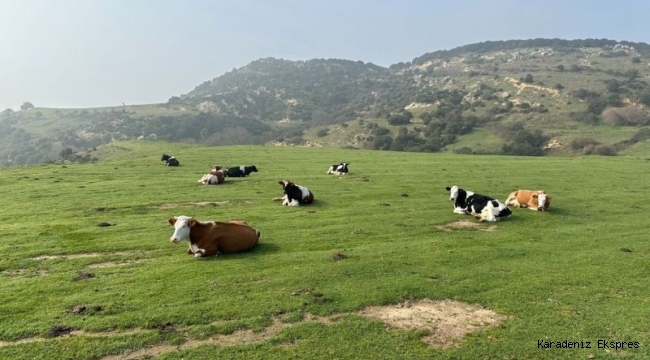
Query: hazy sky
point(88, 53)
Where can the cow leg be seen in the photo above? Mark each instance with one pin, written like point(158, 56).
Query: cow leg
point(460, 211)
point(487, 214)
point(200, 253)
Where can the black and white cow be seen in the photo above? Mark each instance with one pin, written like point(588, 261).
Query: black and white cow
point(241, 171)
point(483, 207)
point(295, 195)
point(338, 169)
point(170, 160)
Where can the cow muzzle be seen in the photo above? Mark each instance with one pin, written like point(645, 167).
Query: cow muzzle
point(174, 240)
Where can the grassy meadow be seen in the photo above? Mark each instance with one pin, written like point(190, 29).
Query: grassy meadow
point(378, 236)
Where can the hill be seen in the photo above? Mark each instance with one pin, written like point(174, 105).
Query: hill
point(519, 97)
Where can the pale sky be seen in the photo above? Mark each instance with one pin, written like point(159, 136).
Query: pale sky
point(90, 53)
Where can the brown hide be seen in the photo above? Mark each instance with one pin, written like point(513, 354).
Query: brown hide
point(226, 238)
point(221, 178)
point(527, 199)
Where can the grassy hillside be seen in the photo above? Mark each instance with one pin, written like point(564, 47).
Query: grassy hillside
point(520, 97)
point(383, 235)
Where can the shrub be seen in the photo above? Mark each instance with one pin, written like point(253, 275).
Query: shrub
point(322, 132)
point(463, 150)
point(398, 119)
point(604, 150)
point(379, 131)
point(580, 144)
point(630, 115)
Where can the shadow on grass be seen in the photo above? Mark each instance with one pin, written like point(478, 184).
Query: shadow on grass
point(263, 248)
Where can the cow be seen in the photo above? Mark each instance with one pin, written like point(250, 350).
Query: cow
point(212, 179)
point(241, 171)
point(483, 207)
point(216, 169)
point(295, 195)
point(169, 160)
point(536, 200)
point(213, 237)
point(338, 169)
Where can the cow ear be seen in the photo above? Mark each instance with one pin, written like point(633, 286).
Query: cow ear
point(172, 221)
point(192, 221)
point(549, 197)
point(448, 188)
point(534, 196)
point(281, 182)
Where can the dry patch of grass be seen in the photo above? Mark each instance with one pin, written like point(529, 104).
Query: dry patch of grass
point(190, 204)
point(113, 263)
point(447, 320)
point(87, 255)
point(465, 224)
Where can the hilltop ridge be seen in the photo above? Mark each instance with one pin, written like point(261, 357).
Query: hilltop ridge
point(521, 97)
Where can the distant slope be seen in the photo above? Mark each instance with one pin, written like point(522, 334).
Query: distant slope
point(524, 97)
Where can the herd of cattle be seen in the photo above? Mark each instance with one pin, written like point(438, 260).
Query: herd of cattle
point(212, 237)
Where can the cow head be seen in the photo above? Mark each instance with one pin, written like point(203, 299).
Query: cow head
point(542, 198)
point(165, 157)
point(182, 225)
point(285, 184)
point(252, 168)
point(453, 192)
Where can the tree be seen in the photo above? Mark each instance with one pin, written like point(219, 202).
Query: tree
point(26, 106)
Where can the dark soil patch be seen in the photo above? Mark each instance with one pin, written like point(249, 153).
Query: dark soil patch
point(338, 256)
point(83, 275)
point(104, 224)
point(83, 309)
point(166, 327)
point(59, 330)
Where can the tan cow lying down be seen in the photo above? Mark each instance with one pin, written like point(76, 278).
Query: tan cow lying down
point(533, 199)
point(214, 177)
point(213, 237)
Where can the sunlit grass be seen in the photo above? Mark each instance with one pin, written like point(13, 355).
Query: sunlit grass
point(556, 276)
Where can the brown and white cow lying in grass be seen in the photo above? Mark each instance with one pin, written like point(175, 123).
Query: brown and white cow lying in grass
point(213, 237)
point(533, 199)
point(214, 177)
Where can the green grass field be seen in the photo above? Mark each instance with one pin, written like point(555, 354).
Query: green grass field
point(379, 236)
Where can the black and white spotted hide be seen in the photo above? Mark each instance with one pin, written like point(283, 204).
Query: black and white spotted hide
point(295, 195)
point(241, 171)
point(485, 208)
point(338, 169)
point(170, 160)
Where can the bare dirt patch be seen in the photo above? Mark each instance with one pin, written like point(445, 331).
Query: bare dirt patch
point(85, 309)
point(89, 255)
point(190, 204)
point(83, 275)
point(447, 320)
point(465, 224)
point(108, 264)
point(23, 272)
point(58, 330)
